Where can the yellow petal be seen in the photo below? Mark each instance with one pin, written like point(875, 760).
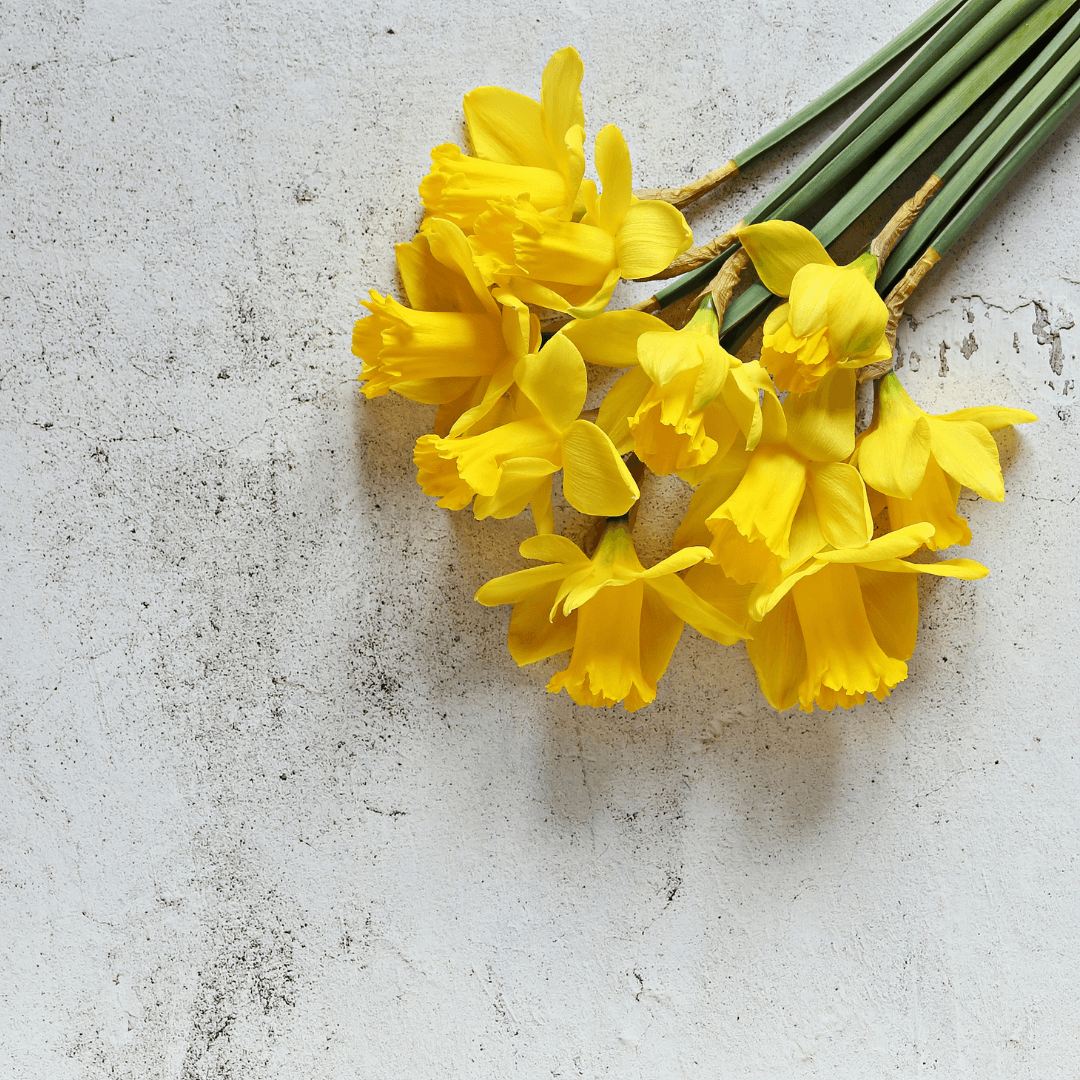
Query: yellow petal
point(451, 247)
point(540, 507)
point(764, 504)
point(555, 549)
point(725, 473)
point(613, 168)
point(513, 588)
point(555, 381)
point(776, 319)
point(765, 597)
point(968, 453)
point(892, 545)
point(611, 339)
point(779, 249)
point(578, 301)
point(521, 480)
point(992, 417)
point(663, 356)
point(741, 396)
point(574, 144)
point(841, 651)
point(773, 419)
point(965, 569)
point(778, 654)
point(595, 480)
point(560, 95)
point(620, 403)
point(806, 537)
point(427, 391)
point(533, 635)
point(605, 667)
point(894, 451)
point(821, 423)
point(934, 501)
point(652, 234)
point(431, 286)
point(491, 397)
point(459, 188)
point(505, 126)
point(588, 305)
point(840, 501)
point(857, 316)
point(691, 608)
point(809, 305)
point(892, 608)
point(681, 560)
point(661, 629)
point(712, 376)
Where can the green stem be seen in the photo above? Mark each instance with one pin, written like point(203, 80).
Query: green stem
point(1011, 118)
point(749, 309)
point(1006, 170)
point(914, 35)
point(991, 57)
point(972, 29)
point(946, 59)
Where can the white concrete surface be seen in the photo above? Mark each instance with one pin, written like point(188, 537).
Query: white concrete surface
point(275, 802)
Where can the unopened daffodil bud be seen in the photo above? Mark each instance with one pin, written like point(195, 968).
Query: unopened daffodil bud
point(833, 316)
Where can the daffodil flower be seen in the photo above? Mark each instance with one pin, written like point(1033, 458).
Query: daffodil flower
point(798, 468)
point(918, 462)
point(573, 266)
point(833, 316)
point(621, 620)
point(509, 460)
point(524, 149)
point(842, 623)
point(684, 399)
point(455, 339)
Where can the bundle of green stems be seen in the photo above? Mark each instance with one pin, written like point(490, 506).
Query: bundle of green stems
point(980, 84)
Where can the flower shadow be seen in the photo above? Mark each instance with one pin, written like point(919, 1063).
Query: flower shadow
point(708, 735)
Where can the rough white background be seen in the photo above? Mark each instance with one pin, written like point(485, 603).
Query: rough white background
point(275, 801)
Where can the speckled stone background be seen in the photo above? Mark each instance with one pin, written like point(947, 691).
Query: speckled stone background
point(276, 803)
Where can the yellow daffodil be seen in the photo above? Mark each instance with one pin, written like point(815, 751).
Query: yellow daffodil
point(919, 462)
point(455, 340)
point(842, 624)
point(622, 621)
point(573, 266)
point(524, 149)
point(799, 467)
point(833, 316)
point(508, 462)
point(685, 398)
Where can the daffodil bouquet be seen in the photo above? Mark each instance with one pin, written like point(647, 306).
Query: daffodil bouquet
point(799, 532)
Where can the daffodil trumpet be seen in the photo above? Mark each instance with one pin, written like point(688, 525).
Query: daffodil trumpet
point(842, 623)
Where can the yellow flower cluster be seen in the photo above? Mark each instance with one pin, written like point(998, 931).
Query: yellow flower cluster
point(797, 534)
point(513, 225)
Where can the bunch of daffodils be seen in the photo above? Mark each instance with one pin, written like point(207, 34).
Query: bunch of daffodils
point(800, 531)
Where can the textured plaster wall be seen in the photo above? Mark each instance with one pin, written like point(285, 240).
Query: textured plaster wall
point(275, 802)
